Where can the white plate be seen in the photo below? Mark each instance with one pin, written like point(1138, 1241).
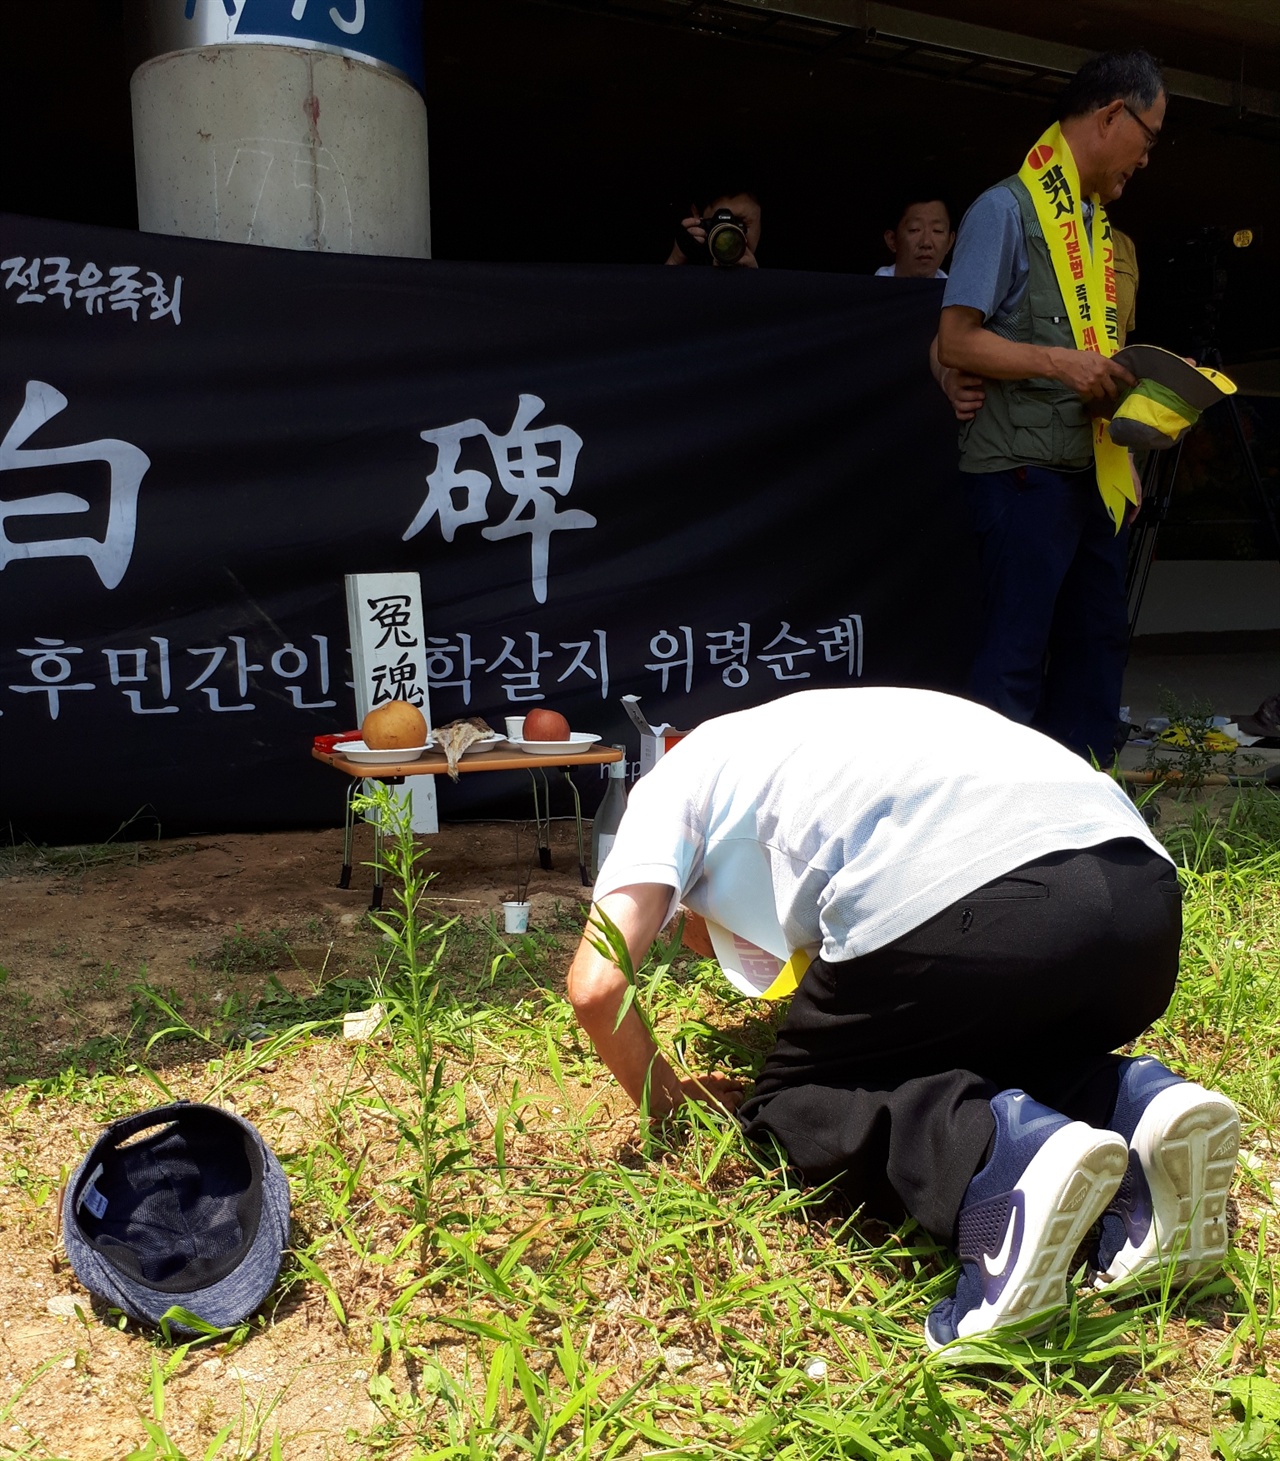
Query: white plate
point(364, 755)
point(490, 743)
point(578, 741)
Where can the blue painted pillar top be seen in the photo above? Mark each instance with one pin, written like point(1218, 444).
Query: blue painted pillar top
point(385, 33)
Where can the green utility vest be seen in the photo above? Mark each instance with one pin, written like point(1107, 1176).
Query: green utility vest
point(1034, 422)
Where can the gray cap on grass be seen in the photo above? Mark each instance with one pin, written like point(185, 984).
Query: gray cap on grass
point(183, 1205)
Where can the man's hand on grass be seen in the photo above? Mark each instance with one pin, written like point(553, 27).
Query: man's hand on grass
point(597, 989)
point(713, 1090)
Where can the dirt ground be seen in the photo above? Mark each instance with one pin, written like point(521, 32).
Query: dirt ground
point(202, 919)
point(188, 914)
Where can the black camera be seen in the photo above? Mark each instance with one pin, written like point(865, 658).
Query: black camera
point(726, 240)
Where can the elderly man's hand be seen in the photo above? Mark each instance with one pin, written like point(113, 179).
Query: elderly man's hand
point(1090, 375)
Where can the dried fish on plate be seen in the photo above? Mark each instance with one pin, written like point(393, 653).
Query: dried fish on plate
point(459, 736)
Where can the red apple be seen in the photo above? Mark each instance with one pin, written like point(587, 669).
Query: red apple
point(545, 725)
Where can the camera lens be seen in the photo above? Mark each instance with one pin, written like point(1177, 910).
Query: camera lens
point(727, 243)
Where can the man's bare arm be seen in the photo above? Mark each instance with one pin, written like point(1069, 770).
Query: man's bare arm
point(596, 990)
point(965, 344)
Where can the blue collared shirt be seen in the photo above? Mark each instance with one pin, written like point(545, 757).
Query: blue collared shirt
point(990, 268)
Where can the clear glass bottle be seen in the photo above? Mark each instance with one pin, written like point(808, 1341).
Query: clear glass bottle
point(604, 826)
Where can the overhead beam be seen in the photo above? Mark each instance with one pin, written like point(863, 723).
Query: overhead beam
point(896, 24)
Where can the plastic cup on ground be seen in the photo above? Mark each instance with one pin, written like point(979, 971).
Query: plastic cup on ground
point(515, 918)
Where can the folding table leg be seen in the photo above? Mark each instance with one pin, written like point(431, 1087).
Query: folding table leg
point(375, 901)
point(344, 877)
point(542, 822)
point(577, 817)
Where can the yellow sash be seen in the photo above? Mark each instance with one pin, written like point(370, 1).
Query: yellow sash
point(1087, 282)
point(789, 976)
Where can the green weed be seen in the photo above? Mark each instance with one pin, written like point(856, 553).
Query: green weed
point(408, 985)
point(251, 953)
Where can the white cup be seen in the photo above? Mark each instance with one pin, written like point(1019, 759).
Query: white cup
point(515, 917)
point(515, 727)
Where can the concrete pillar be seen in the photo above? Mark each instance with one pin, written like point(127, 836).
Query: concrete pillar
point(295, 125)
point(254, 140)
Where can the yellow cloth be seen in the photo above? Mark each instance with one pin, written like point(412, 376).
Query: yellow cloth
point(789, 976)
point(1150, 412)
point(1087, 282)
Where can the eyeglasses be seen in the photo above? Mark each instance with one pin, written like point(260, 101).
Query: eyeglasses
point(1152, 137)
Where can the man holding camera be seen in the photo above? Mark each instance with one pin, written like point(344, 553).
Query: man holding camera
point(724, 233)
point(1031, 308)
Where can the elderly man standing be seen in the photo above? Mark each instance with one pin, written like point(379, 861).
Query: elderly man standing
point(1030, 306)
point(972, 920)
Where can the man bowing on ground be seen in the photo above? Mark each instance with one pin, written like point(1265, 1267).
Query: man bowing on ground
point(1030, 306)
point(972, 920)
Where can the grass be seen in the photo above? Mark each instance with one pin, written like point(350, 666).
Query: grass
point(512, 1267)
point(25, 856)
point(248, 953)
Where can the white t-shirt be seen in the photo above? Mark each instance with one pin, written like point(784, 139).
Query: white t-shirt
point(843, 819)
point(887, 272)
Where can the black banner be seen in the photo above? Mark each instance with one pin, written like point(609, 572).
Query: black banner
point(705, 487)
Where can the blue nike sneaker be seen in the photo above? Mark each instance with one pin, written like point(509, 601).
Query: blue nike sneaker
point(1168, 1219)
point(1022, 1218)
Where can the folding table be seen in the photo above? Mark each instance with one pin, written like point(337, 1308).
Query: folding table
point(433, 763)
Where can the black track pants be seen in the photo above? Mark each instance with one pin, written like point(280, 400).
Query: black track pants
point(883, 1070)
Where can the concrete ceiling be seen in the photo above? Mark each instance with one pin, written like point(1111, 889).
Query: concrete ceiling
point(1228, 56)
point(1212, 36)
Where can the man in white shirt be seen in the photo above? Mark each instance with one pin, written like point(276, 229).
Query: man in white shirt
point(987, 919)
point(919, 240)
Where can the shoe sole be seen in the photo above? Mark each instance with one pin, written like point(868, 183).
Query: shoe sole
point(1065, 1188)
point(1187, 1140)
